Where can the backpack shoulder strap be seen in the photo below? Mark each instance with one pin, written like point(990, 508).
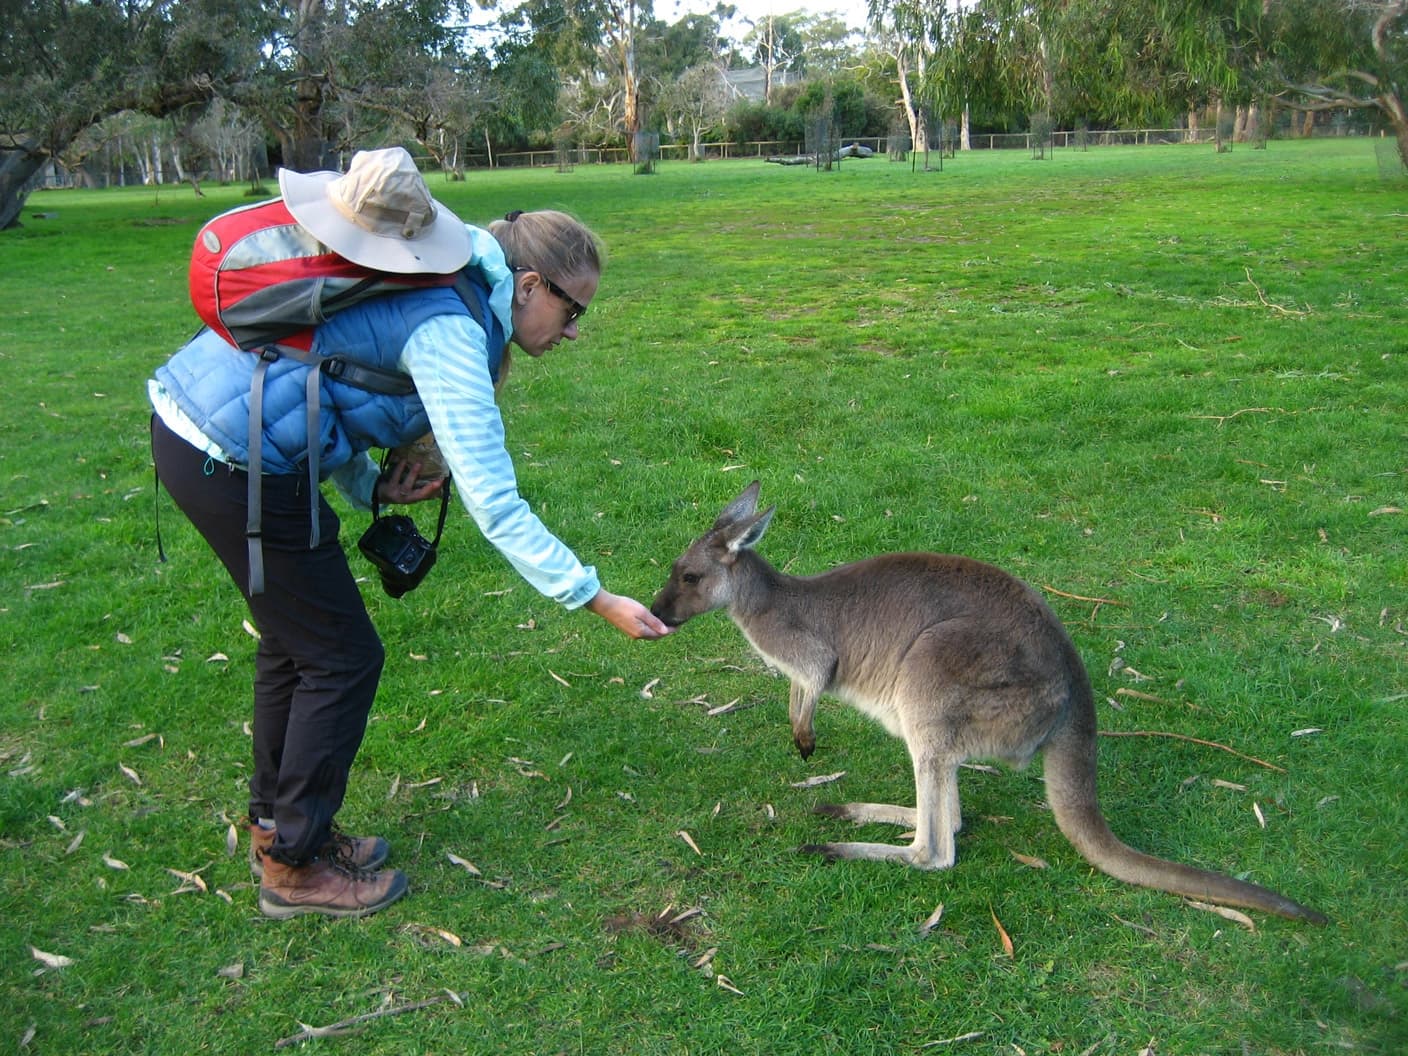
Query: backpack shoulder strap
point(473, 290)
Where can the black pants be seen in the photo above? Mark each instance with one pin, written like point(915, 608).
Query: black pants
point(319, 658)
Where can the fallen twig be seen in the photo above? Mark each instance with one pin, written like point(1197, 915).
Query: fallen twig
point(971, 1036)
point(1081, 597)
point(308, 1032)
point(1262, 297)
point(1222, 419)
point(1193, 740)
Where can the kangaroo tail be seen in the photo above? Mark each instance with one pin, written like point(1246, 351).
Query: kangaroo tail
point(1069, 761)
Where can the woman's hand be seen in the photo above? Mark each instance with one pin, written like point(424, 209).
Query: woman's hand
point(628, 616)
point(399, 486)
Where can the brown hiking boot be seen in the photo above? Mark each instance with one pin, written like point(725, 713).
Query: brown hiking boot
point(330, 886)
point(365, 852)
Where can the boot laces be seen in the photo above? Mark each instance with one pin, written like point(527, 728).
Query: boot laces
point(339, 854)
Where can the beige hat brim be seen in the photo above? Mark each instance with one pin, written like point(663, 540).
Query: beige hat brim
point(444, 247)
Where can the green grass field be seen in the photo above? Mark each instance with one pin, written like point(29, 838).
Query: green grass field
point(1163, 378)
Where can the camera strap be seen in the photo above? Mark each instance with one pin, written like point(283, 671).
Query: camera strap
point(444, 505)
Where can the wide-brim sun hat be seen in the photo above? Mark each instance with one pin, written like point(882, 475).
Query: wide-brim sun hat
point(378, 214)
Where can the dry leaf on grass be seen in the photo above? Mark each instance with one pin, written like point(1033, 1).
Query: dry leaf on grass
point(724, 709)
point(231, 971)
point(190, 882)
point(50, 960)
point(1030, 860)
point(115, 863)
point(147, 738)
point(1007, 947)
point(982, 768)
point(129, 773)
point(76, 842)
point(970, 1036)
point(645, 689)
point(932, 921)
point(1226, 912)
point(426, 934)
point(250, 629)
point(465, 864)
point(821, 779)
point(690, 840)
point(725, 983)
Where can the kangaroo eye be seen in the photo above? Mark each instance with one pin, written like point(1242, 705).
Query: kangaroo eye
point(691, 578)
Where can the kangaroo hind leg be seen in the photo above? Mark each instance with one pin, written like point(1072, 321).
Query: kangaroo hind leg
point(934, 819)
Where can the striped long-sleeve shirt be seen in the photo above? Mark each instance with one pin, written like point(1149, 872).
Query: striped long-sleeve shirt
point(447, 358)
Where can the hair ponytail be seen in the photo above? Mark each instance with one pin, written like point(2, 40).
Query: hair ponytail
point(555, 242)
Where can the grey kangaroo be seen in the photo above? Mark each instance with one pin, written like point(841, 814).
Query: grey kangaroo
point(955, 657)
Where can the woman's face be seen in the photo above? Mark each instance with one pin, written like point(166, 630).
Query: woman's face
point(546, 308)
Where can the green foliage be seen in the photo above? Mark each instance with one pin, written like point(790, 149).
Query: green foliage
point(756, 122)
point(1163, 377)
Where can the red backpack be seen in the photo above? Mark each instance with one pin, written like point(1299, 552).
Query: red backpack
point(258, 278)
point(263, 283)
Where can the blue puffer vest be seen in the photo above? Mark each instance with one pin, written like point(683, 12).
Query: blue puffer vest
point(210, 380)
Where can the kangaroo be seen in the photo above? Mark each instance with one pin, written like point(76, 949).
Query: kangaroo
point(957, 658)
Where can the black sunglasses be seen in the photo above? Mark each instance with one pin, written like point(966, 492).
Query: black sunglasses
point(577, 308)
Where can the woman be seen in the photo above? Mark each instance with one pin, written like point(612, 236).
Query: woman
point(319, 658)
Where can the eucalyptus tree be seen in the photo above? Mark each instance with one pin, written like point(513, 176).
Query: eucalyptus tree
point(66, 66)
point(309, 70)
point(1342, 54)
point(697, 101)
point(777, 45)
point(590, 39)
point(911, 32)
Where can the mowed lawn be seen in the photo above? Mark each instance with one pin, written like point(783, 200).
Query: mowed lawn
point(1166, 386)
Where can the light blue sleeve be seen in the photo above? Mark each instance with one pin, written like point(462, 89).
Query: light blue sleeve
point(356, 478)
point(446, 358)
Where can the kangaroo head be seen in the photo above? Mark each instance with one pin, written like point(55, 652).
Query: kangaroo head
point(703, 577)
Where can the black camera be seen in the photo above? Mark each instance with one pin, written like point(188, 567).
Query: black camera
point(399, 552)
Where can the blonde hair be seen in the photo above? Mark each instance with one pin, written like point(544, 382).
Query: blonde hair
point(558, 244)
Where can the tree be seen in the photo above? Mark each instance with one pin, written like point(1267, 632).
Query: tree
point(1336, 54)
point(905, 34)
point(307, 69)
point(697, 101)
point(65, 66)
point(777, 44)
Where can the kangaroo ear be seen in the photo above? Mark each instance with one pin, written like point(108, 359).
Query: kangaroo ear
point(740, 508)
point(747, 534)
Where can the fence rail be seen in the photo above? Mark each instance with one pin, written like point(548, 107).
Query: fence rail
point(55, 175)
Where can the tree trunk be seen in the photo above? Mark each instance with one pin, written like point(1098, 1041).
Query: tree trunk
point(918, 132)
point(964, 129)
point(17, 168)
point(305, 145)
